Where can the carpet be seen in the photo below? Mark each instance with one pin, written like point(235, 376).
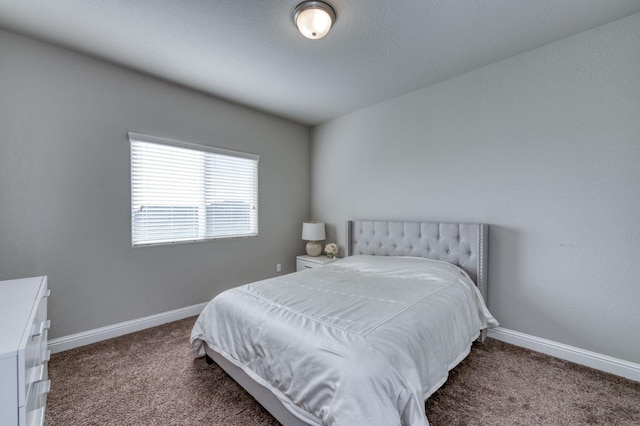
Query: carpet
point(151, 378)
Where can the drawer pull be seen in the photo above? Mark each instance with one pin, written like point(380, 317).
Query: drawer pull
point(47, 294)
point(46, 387)
point(36, 374)
point(47, 356)
point(38, 329)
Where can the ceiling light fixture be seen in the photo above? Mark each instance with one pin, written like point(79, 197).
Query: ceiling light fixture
point(314, 18)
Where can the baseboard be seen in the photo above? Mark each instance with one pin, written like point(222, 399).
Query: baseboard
point(92, 336)
point(605, 363)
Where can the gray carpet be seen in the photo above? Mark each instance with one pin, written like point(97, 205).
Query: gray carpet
point(150, 378)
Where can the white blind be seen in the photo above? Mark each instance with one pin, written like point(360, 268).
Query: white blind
point(184, 192)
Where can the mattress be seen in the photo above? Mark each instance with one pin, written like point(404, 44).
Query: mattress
point(361, 341)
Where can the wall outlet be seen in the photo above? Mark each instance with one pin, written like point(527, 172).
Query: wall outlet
point(278, 267)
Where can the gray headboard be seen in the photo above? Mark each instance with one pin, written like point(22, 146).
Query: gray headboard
point(463, 244)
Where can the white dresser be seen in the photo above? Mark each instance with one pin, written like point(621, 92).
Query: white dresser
point(24, 327)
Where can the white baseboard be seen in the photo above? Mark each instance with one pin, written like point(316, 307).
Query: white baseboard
point(605, 363)
point(92, 336)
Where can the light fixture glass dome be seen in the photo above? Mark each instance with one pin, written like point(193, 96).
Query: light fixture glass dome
point(314, 19)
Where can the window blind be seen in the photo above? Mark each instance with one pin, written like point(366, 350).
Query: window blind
point(184, 192)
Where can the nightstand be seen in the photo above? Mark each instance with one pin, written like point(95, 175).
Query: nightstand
point(309, 262)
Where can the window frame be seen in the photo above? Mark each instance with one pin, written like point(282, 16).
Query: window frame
point(138, 137)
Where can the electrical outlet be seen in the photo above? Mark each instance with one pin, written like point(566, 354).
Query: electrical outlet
point(278, 267)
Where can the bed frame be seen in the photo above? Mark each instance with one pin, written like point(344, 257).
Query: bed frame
point(463, 244)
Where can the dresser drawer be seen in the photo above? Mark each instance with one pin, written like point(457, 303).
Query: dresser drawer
point(39, 372)
point(37, 340)
point(33, 410)
point(36, 402)
point(41, 311)
point(34, 356)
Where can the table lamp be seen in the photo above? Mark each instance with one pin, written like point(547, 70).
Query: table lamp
point(313, 232)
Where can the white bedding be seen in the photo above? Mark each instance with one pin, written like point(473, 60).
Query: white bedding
point(362, 341)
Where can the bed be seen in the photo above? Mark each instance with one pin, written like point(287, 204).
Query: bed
point(363, 340)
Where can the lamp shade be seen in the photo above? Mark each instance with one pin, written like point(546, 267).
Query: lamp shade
point(313, 231)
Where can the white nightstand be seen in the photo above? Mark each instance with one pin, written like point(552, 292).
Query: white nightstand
point(309, 262)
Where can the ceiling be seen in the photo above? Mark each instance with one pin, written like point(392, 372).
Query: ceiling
point(249, 51)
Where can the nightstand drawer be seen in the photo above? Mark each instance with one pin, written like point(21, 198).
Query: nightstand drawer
point(301, 265)
point(309, 262)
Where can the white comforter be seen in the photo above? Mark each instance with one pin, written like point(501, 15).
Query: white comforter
point(362, 341)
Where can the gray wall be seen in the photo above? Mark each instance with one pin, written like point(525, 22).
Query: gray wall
point(65, 187)
point(545, 147)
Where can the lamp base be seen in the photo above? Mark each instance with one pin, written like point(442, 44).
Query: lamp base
point(314, 248)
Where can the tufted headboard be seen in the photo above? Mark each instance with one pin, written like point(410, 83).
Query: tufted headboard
point(463, 244)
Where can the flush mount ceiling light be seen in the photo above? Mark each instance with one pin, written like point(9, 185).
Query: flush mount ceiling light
point(314, 18)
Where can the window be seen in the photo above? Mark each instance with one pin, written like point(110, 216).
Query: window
point(182, 192)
